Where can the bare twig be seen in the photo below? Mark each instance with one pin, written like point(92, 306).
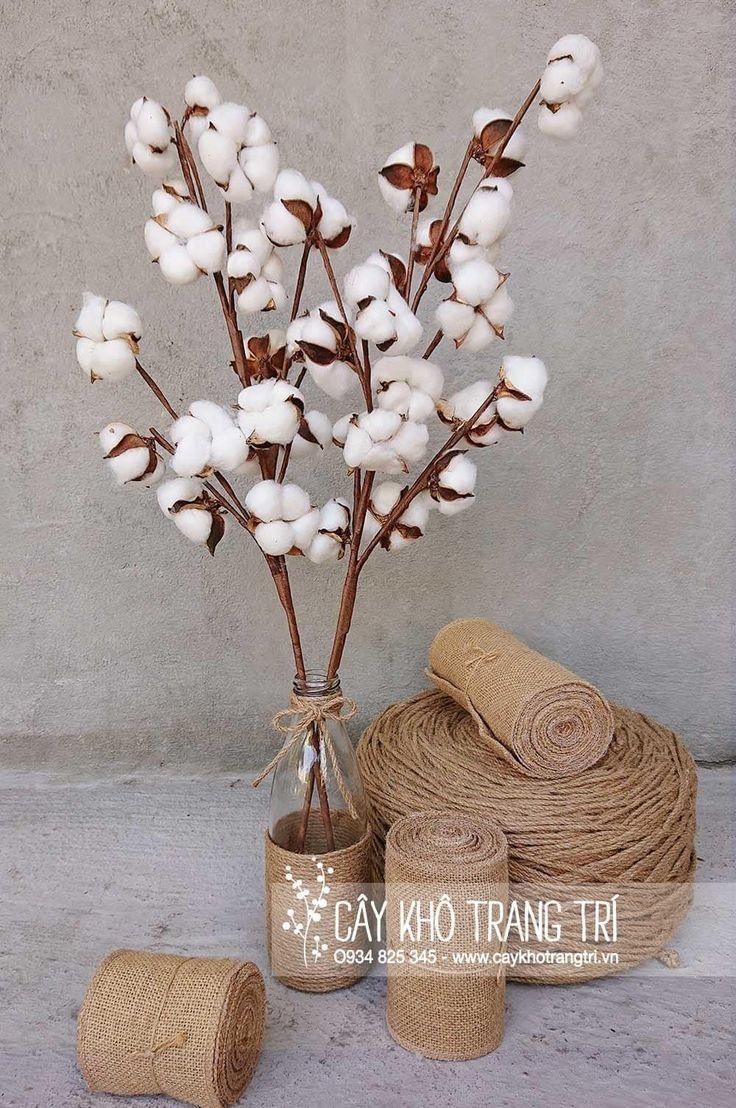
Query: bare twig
point(412, 245)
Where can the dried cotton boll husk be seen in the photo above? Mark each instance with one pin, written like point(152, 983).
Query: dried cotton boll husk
point(516, 146)
point(408, 168)
point(527, 376)
point(560, 122)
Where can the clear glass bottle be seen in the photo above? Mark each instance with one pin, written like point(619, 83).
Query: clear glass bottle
point(318, 802)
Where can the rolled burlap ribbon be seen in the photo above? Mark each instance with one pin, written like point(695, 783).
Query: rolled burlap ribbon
point(191, 1028)
point(445, 992)
point(625, 827)
point(306, 949)
point(533, 711)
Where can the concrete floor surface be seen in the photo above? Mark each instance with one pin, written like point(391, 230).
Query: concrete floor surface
point(175, 864)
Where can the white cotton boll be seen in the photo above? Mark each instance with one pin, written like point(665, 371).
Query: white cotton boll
point(230, 119)
point(113, 433)
point(251, 238)
point(278, 297)
point(317, 332)
point(282, 390)
point(295, 502)
point(410, 441)
point(229, 450)
point(175, 489)
point(455, 319)
point(120, 320)
point(112, 361)
point(85, 351)
point(153, 163)
point(157, 239)
point(358, 446)
point(281, 227)
point(207, 251)
point(278, 424)
point(376, 322)
point(488, 212)
point(335, 379)
point(195, 524)
point(214, 417)
point(201, 92)
point(187, 220)
point(461, 252)
point(408, 332)
point(584, 53)
point(152, 125)
point(273, 269)
point(460, 475)
point(562, 80)
point(187, 426)
point(334, 515)
point(260, 165)
point(341, 427)
point(257, 131)
point(275, 538)
point(323, 548)
point(475, 281)
point(290, 184)
point(256, 398)
point(427, 376)
point(90, 319)
point(462, 404)
point(154, 476)
point(304, 529)
point(527, 375)
point(177, 267)
point(192, 456)
point(255, 297)
point(238, 188)
point(479, 335)
point(366, 282)
point(334, 217)
point(265, 500)
point(499, 308)
point(130, 465)
point(321, 427)
point(396, 397)
point(385, 496)
point(249, 468)
point(563, 123)
point(380, 425)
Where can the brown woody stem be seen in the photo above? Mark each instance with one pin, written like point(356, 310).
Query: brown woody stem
point(412, 245)
point(335, 288)
point(434, 344)
point(361, 499)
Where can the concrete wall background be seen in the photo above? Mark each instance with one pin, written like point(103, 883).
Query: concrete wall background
point(603, 538)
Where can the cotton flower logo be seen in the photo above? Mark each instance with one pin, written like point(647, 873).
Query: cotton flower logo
point(309, 908)
point(409, 175)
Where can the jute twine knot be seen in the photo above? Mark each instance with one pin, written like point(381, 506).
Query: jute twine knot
point(178, 1040)
point(307, 714)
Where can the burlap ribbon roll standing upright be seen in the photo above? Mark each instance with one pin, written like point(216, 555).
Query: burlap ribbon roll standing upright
point(191, 1028)
point(443, 1001)
point(533, 711)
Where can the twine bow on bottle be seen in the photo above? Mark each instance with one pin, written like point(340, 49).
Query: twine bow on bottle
point(307, 714)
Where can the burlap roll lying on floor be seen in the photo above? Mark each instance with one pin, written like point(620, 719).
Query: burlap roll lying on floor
point(444, 1009)
point(626, 826)
point(532, 710)
point(191, 1028)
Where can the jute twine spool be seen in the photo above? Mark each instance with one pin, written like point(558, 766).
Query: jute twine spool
point(534, 712)
point(625, 826)
point(444, 1009)
point(295, 952)
point(191, 1028)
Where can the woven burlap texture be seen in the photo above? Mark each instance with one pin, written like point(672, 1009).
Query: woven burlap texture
point(534, 712)
point(347, 872)
point(443, 1009)
point(191, 1028)
point(625, 826)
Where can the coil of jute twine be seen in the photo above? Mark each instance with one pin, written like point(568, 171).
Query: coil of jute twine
point(624, 827)
point(306, 718)
point(532, 711)
point(437, 863)
point(191, 1028)
point(301, 944)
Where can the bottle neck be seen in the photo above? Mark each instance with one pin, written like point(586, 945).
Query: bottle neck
point(317, 685)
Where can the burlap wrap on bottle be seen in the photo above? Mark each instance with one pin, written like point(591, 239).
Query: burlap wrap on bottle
point(441, 868)
point(302, 890)
point(533, 711)
point(191, 1028)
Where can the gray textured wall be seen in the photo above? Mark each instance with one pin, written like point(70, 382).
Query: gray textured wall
point(603, 537)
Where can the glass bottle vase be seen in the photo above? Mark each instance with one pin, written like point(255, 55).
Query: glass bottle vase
point(318, 803)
